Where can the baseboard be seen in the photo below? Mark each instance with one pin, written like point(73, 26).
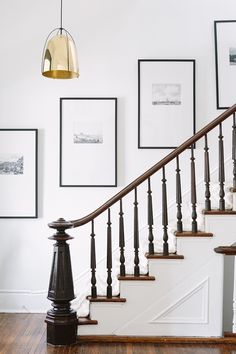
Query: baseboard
point(16, 301)
point(160, 340)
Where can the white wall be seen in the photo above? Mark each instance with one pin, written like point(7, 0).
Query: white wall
point(110, 35)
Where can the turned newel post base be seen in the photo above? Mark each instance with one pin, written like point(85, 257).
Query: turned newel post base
point(61, 328)
point(61, 320)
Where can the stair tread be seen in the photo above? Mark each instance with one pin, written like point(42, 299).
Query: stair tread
point(229, 334)
point(142, 277)
point(106, 299)
point(161, 256)
point(227, 250)
point(219, 212)
point(232, 189)
point(193, 234)
point(86, 321)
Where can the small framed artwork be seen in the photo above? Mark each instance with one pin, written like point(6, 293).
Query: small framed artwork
point(18, 173)
point(88, 142)
point(225, 60)
point(166, 102)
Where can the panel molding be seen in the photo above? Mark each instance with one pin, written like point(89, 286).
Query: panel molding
point(201, 288)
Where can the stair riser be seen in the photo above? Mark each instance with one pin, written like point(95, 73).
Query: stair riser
point(186, 297)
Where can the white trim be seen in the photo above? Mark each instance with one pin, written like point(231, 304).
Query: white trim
point(164, 316)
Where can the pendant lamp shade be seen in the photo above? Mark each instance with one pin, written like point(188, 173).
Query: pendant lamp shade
point(59, 55)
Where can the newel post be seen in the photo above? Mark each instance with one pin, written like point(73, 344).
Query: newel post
point(61, 320)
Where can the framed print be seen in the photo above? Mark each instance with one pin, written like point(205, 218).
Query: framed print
point(225, 60)
point(88, 142)
point(18, 173)
point(166, 102)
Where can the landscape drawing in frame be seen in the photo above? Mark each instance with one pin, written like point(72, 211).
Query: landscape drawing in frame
point(18, 173)
point(88, 142)
point(166, 102)
point(225, 61)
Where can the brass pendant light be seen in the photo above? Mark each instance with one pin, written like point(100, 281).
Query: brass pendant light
point(59, 55)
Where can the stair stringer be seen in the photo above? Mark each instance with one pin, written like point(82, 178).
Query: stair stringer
point(149, 304)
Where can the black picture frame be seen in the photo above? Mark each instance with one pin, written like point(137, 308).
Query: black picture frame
point(225, 62)
point(93, 123)
point(18, 173)
point(159, 80)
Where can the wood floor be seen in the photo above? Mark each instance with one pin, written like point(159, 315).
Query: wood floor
point(26, 333)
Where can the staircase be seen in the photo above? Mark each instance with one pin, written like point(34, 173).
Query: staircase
point(182, 293)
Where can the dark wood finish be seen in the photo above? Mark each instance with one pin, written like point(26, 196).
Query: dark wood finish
point(22, 333)
point(230, 334)
point(161, 256)
point(26, 333)
point(193, 234)
point(193, 191)
point(86, 321)
point(121, 240)
point(136, 236)
point(93, 263)
point(234, 150)
point(150, 219)
point(171, 156)
point(219, 212)
point(178, 197)
point(60, 226)
point(227, 250)
point(141, 277)
point(109, 256)
point(61, 320)
point(221, 170)
point(207, 176)
point(164, 214)
point(163, 340)
point(106, 299)
point(232, 189)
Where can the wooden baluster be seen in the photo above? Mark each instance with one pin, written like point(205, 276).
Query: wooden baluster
point(193, 192)
point(221, 170)
point(93, 264)
point(178, 197)
point(207, 176)
point(109, 256)
point(234, 150)
point(121, 240)
point(164, 215)
point(150, 219)
point(136, 236)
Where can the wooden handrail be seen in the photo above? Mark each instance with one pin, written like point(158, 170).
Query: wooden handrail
point(151, 171)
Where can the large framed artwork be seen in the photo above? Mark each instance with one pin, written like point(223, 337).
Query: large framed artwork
point(225, 60)
point(88, 142)
point(166, 102)
point(18, 173)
